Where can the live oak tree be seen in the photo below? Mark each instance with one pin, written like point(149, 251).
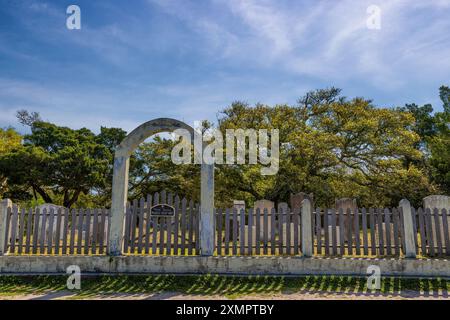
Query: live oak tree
point(9, 140)
point(332, 147)
point(57, 163)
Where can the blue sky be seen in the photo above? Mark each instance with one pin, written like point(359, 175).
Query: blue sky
point(133, 61)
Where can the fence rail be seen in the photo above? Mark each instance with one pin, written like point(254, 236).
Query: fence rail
point(372, 232)
point(377, 232)
point(54, 232)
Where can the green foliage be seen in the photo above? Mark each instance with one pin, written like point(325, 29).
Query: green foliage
point(57, 161)
point(331, 146)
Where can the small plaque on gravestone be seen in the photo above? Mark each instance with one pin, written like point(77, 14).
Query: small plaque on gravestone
point(162, 210)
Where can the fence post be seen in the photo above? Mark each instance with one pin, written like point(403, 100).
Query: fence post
point(4, 205)
point(410, 246)
point(307, 243)
point(207, 225)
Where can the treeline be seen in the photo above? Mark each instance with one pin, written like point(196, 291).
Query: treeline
point(331, 146)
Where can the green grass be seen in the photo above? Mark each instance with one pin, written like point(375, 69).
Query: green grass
point(229, 286)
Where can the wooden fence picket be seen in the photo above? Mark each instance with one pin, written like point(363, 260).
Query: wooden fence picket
point(380, 231)
point(59, 214)
point(364, 229)
point(349, 231)
point(43, 232)
point(235, 231)
point(296, 233)
point(50, 231)
point(446, 232)
point(21, 230)
point(357, 231)
point(395, 218)
point(250, 232)
point(341, 232)
point(30, 216)
point(273, 231)
point(429, 228)
point(14, 220)
point(437, 228)
point(65, 230)
point(387, 228)
point(318, 231)
point(227, 231)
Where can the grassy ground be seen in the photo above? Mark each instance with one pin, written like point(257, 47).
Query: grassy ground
point(224, 286)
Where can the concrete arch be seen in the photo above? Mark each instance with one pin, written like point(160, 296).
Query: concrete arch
point(120, 184)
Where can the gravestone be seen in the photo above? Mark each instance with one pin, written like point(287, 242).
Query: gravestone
point(297, 199)
point(344, 204)
point(261, 205)
point(437, 202)
point(48, 207)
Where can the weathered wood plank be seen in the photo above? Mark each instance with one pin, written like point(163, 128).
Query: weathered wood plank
point(169, 227)
point(326, 234)
point(50, 231)
point(258, 230)
point(227, 231)
point(265, 230)
point(273, 232)
point(429, 228)
point(101, 233)
point(357, 231)
point(59, 214)
point(65, 230)
point(87, 232)
point(43, 232)
point(380, 231)
point(349, 226)
point(219, 225)
point(387, 226)
point(14, 221)
point(446, 232)
point(176, 225)
point(8, 227)
point(242, 232)
point(280, 232)
point(191, 227)
point(437, 228)
point(37, 216)
point(364, 229)
point(318, 231)
point(21, 230)
point(95, 229)
point(197, 228)
point(423, 236)
point(29, 230)
point(395, 218)
point(341, 232)
point(373, 241)
point(250, 232)
point(80, 230)
point(333, 231)
point(127, 229)
point(288, 232)
point(134, 217)
point(296, 234)
point(414, 216)
point(141, 225)
point(156, 226)
point(235, 231)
